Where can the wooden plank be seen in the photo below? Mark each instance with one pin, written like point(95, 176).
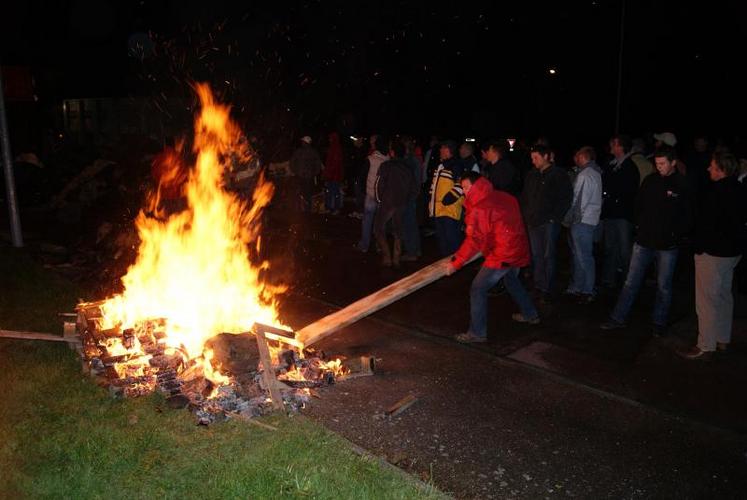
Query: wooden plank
point(401, 405)
point(10, 334)
point(368, 305)
point(250, 420)
point(267, 374)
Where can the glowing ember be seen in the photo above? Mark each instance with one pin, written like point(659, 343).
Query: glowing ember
point(194, 268)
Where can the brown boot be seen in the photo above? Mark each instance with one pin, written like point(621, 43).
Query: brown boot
point(397, 253)
point(386, 256)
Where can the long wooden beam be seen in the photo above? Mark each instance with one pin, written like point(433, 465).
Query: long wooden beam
point(10, 334)
point(368, 305)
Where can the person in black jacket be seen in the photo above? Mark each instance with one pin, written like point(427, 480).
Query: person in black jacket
point(663, 213)
point(620, 182)
point(395, 186)
point(720, 234)
point(546, 197)
point(499, 169)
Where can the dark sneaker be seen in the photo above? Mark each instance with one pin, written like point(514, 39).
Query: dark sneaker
point(612, 325)
point(696, 353)
point(469, 338)
point(521, 319)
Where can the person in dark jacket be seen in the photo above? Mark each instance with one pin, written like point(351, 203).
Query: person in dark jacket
point(663, 214)
point(306, 164)
point(499, 169)
point(546, 198)
point(494, 228)
point(720, 237)
point(467, 158)
point(620, 181)
point(395, 187)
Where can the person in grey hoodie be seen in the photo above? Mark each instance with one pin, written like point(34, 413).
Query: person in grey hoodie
point(375, 159)
point(583, 218)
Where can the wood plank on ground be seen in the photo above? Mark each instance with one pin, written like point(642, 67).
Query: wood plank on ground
point(11, 334)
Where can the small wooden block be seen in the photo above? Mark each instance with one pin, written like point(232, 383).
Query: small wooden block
point(401, 405)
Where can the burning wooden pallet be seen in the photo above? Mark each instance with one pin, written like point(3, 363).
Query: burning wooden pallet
point(137, 361)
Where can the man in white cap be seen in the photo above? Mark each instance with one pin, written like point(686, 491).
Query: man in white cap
point(667, 138)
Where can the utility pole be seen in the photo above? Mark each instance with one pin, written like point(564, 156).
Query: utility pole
point(10, 183)
point(620, 68)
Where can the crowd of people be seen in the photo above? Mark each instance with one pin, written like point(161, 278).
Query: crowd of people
point(637, 208)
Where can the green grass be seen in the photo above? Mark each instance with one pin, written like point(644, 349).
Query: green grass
point(63, 437)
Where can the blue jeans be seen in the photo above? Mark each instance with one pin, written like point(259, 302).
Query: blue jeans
point(543, 240)
point(486, 279)
point(448, 234)
point(642, 257)
point(369, 210)
point(582, 246)
point(618, 242)
point(411, 231)
point(332, 196)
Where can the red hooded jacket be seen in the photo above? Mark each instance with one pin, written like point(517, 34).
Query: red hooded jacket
point(494, 227)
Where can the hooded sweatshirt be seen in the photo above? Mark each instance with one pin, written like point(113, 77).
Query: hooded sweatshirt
point(494, 228)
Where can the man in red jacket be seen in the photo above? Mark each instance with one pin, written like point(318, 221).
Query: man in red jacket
point(495, 228)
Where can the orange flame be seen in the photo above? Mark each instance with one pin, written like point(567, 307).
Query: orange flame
point(195, 268)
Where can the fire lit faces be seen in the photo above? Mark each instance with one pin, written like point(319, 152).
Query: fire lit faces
point(466, 184)
point(540, 161)
point(444, 152)
point(616, 148)
point(490, 155)
point(665, 166)
point(714, 171)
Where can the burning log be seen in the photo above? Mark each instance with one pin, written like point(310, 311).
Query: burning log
point(366, 306)
point(362, 366)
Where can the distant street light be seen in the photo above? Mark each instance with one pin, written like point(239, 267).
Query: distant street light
point(552, 71)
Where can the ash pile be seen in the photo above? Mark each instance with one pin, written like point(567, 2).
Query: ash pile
point(228, 380)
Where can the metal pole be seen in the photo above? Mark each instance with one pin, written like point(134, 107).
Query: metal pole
point(10, 183)
point(620, 68)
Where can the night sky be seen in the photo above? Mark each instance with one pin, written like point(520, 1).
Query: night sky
point(461, 68)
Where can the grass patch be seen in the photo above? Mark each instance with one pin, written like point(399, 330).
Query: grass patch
point(63, 437)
